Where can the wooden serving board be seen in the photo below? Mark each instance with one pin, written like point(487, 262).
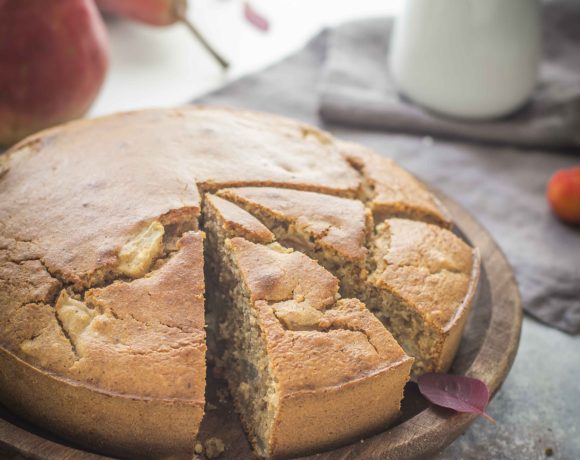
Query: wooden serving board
point(487, 350)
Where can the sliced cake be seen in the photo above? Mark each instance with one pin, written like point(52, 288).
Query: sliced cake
point(425, 311)
point(331, 229)
point(103, 264)
point(307, 369)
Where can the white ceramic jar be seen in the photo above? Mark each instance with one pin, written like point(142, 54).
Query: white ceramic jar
point(472, 59)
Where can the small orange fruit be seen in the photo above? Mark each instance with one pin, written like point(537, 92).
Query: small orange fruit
point(564, 194)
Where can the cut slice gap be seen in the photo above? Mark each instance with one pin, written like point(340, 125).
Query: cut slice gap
point(220, 220)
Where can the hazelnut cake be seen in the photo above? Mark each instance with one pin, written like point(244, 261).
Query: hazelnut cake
point(324, 275)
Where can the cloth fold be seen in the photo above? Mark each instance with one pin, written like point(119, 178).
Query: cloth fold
point(356, 88)
point(504, 188)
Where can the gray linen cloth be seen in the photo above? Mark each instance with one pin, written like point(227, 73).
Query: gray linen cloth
point(356, 88)
point(503, 187)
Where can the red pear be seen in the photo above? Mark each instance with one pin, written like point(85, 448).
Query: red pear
point(53, 61)
point(153, 12)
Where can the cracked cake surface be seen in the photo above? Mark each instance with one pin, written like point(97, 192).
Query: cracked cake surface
point(390, 190)
point(429, 267)
point(119, 234)
point(141, 341)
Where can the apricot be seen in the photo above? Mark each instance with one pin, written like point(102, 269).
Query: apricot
point(564, 194)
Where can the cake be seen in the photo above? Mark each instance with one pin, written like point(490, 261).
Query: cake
point(418, 278)
point(307, 369)
point(121, 238)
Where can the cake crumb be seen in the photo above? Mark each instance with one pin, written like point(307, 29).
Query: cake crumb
point(549, 452)
point(209, 406)
point(244, 390)
point(279, 248)
point(198, 448)
point(214, 447)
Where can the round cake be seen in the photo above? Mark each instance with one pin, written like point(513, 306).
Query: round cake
point(320, 274)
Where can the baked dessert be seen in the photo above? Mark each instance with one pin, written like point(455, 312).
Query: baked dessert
point(99, 366)
point(307, 369)
point(418, 278)
point(105, 280)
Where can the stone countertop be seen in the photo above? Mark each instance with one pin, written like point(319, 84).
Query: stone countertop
point(538, 407)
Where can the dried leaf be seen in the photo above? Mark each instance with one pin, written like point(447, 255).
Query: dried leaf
point(255, 18)
point(463, 394)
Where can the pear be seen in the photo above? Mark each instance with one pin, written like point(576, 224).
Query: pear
point(53, 61)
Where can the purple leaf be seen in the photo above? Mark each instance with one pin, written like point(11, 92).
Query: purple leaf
point(463, 394)
point(255, 18)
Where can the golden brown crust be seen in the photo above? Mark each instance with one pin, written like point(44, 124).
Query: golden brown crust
point(125, 155)
point(340, 412)
point(127, 325)
point(90, 216)
point(454, 328)
point(428, 267)
point(337, 223)
point(391, 190)
point(348, 342)
point(274, 275)
point(121, 425)
point(160, 297)
point(425, 267)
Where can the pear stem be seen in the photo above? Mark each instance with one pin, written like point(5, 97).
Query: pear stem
point(488, 417)
point(210, 49)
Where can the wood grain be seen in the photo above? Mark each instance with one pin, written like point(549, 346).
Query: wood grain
point(487, 351)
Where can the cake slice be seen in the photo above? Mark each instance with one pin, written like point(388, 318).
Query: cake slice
point(422, 289)
point(425, 313)
point(307, 370)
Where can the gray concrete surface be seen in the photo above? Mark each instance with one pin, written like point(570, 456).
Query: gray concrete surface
point(538, 407)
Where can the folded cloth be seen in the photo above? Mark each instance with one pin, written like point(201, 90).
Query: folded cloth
point(356, 88)
point(503, 187)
